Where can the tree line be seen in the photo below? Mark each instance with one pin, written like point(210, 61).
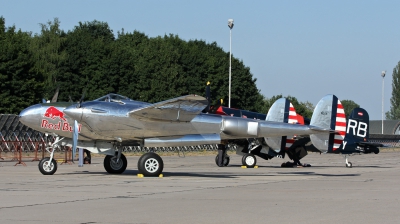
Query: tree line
point(89, 58)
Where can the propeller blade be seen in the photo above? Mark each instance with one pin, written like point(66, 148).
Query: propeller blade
point(80, 101)
point(208, 97)
point(55, 97)
point(74, 139)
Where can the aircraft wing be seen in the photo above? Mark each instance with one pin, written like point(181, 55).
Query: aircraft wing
point(180, 109)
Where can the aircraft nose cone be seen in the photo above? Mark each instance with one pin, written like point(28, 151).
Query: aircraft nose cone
point(74, 112)
point(29, 115)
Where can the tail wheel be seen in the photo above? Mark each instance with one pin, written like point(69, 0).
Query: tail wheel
point(47, 167)
point(113, 165)
point(150, 164)
point(249, 160)
point(349, 165)
point(226, 161)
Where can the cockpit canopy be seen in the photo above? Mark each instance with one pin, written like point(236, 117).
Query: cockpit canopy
point(112, 97)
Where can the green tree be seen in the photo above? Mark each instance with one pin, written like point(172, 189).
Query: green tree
point(304, 109)
point(394, 112)
point(348, 106)
point(142, 68)
point(88, 68)
point(19, 86)
point(48, 50)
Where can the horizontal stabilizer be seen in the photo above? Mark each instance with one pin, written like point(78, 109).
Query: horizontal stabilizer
point(180, 109)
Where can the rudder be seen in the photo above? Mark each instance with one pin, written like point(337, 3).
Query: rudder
point(329, 114)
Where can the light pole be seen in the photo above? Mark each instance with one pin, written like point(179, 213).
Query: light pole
point(230, 25)
point(383, 85)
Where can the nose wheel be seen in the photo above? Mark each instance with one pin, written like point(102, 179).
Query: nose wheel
point(47, 166)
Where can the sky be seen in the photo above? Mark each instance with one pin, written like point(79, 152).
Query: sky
point(305, 49)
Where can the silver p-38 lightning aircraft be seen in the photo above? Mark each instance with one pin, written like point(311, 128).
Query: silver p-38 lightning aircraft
point(105, 124)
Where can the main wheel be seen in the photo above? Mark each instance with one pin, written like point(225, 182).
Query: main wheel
point(226, 161)
point(249, 160)
point(349, 165)
point(111, 165)
point(150, 164)
point(47, 167)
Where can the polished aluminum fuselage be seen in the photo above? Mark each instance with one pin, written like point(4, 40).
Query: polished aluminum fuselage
point(111, 120)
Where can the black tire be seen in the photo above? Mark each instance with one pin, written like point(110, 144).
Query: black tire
point(226, 161)
point(249, 160)
point(150, 164)
point(112, 166)
point(46, 167)
point(350, 165)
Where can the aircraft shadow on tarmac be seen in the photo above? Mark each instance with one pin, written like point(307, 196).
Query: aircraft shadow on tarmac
point(319, 167)
point(212, 174)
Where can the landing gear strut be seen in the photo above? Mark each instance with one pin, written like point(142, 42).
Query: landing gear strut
point(222, 159)
point(48, 165)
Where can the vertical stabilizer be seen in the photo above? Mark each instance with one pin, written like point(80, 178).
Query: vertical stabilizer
point(358, 125)
point(329, 114)
point(281, 111)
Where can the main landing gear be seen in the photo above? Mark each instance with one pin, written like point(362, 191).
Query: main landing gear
point(249, 160)
point(115, 164)
point(222, 159)
point(150, 164)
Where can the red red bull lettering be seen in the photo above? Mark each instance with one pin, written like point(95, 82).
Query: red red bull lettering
point(60, 126)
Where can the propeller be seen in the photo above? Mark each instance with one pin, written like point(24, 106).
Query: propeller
point(80, 101)
point(74, 139)
point(75, 133)
point(55, 96)
point(208, 96)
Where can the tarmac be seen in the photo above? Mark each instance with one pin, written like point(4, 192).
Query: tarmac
point(195, 190)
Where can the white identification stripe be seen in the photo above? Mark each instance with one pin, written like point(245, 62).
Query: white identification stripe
point(341, 119)
point(339, 137)
point(340, 111)
point(340, 128)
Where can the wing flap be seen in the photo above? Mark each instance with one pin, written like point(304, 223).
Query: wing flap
point(180, 109)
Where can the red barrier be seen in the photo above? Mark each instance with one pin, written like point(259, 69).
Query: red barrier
point(16, 147)
point(68, 156)
point(19, 150)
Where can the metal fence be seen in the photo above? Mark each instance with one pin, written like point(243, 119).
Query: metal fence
point(14, 136)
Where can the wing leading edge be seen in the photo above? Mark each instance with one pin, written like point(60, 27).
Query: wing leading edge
point(180, 109)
